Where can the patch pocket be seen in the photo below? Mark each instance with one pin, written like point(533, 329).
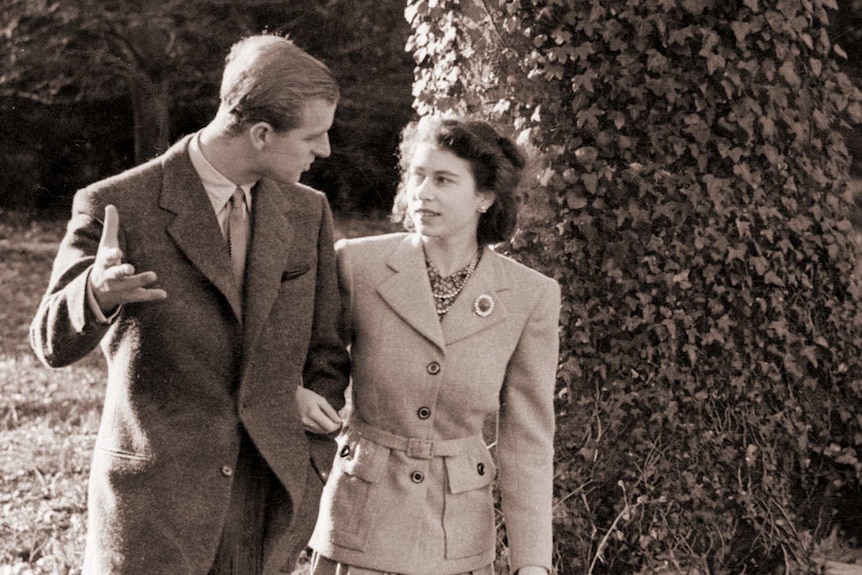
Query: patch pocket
point(354, 489)
point(468, 518)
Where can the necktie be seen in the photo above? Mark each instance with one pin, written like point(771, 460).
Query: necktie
point(237, 236)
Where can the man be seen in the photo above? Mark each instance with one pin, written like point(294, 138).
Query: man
point(210, 284)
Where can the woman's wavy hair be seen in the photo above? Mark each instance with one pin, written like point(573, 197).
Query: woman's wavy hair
point(497, 164)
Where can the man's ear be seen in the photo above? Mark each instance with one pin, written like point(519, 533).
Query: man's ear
point(260, 134)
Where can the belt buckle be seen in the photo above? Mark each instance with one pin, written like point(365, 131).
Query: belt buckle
point(420, 448)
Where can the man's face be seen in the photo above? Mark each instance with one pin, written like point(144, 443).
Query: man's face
point(288, 154)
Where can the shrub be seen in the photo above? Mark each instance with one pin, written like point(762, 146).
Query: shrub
point(692, 202)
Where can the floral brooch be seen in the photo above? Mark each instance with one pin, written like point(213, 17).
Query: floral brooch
point(483, 306)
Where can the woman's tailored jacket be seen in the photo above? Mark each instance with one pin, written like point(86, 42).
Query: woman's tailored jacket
point(187, 373)
point(411, 485)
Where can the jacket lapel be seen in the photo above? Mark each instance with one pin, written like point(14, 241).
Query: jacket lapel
point(272, 236)
point(195, 228)
point(488, 280)
point(408, 291)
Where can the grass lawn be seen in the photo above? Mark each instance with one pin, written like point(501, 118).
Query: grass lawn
point(49, 418)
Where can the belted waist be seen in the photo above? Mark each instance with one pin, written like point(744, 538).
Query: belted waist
point(412, 446)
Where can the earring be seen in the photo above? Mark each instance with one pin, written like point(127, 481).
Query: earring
point(481, 208)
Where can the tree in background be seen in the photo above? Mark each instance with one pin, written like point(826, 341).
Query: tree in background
point(692, 202)
point(60, 52)
point(846, 31)
point(158, 63)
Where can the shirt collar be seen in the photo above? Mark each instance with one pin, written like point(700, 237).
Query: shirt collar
point(219, 189)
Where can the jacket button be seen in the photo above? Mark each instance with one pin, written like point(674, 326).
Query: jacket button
point(417, 477)
point(345, 451)
point(424, 412)
point(433, 368)
point(226, 470)
point(481, 468)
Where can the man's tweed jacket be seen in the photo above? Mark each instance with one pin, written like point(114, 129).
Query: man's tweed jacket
point(185, 373)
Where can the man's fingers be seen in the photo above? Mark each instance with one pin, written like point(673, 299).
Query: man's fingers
point(109, 300)
point(120, 283)
point(326, 417)
point(309, 424)
point(319, 419)
point(138, 295)
point(315, 413)
point(145, 294)
point(331, 426)
point(330, 413)
point(323, 424)
point(123, 278)
point(111, 229)
point(120, 272)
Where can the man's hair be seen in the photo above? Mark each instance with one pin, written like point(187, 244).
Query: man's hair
point(267, 78)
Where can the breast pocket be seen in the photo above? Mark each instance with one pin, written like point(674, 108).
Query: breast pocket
point(353, 492)
point(468, 519)
point(295, 272)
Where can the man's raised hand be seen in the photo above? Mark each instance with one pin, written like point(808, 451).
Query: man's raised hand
point(113, 282)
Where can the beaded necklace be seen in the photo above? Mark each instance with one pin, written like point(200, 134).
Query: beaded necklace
point(446, 290)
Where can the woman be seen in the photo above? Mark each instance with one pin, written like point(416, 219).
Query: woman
point(445, 333)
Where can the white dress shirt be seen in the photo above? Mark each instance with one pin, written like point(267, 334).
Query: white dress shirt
point(218, 188)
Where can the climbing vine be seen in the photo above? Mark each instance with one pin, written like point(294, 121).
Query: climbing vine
point(692, 202)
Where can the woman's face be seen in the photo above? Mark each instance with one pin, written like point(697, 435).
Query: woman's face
point(442, 199)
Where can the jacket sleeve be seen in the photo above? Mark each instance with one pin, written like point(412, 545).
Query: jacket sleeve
point(345, 288)
point(525, 435)
point(327, 366)
point(64, 328)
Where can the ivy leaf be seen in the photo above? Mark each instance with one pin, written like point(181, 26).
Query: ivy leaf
point(591, 182)
point(740, 30)
point(586, 154)
point(695, 7)
point(788, 72)
point(773, 279)
point(714, 62)
point(575, 201)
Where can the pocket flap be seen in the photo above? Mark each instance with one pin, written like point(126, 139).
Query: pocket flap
point(360, 457)
point(294, 273)
point(470, 470)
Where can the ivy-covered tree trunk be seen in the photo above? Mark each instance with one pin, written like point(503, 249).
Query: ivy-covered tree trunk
point(692, 202)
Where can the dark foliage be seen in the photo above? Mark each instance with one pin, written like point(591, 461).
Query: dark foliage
point(70, 74)
point(692, 201)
